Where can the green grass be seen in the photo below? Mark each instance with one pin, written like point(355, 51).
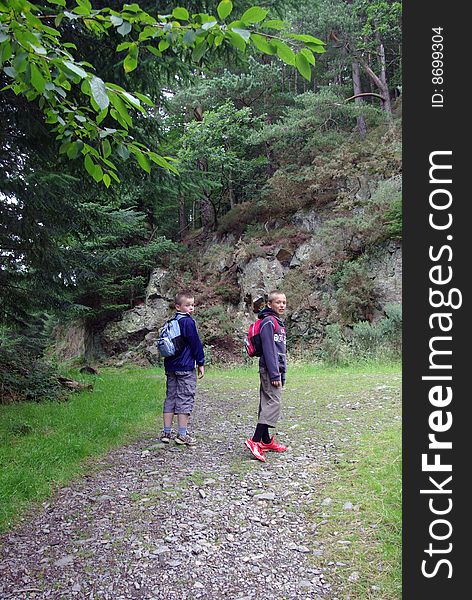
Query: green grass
point(44, 445)
point(372, 482)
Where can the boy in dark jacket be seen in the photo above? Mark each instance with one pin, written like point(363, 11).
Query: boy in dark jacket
point(181, 381)
point(272, 369)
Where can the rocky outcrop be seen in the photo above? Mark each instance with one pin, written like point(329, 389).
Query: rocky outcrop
point(256, 278)
point(235, 275)
point(385, 268)
point(135, 333)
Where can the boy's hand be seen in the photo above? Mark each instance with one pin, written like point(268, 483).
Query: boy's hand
point(201, 371)
point(276, 383)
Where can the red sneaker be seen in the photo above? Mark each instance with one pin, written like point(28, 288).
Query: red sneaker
point(255, 449)
point(272, 445)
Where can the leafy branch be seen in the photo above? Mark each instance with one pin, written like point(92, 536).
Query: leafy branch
point(75, 102)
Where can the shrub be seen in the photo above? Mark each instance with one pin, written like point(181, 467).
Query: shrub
point(24, 374)
point(364, 341)
point(214, 323)
point(382, 339)
point(355, 294)
point(228, 293)
point(333, 350)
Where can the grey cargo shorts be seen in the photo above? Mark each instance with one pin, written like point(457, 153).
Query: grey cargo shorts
point(270, 397)
point(180, 392)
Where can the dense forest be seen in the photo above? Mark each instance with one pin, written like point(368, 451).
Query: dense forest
point(225, 137)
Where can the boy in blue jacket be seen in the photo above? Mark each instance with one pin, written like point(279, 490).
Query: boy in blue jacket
point(181, 380)
point(272, 369)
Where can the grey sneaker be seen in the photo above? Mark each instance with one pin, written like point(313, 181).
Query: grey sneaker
point(166, 437)
point(185, 439)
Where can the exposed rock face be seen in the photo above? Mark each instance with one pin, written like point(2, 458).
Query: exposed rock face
point(385, 268)
point(311, 251)
point(309, 221)
point(75, 341)
point(71, 341)
point(158, 286)
point(135, 325)
point(256, 278)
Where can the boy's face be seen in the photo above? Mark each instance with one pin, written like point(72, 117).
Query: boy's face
point(187, 306)
point(278, 304)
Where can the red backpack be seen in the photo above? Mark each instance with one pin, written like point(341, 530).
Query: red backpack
point(253, 338)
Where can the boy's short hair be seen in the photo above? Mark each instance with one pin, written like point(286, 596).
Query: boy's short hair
point(181, 296)
point(274, 293)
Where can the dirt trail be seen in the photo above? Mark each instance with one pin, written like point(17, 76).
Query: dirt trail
point(164, 522)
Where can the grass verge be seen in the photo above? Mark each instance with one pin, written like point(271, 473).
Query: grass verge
point(363, 518)
point(44, 445)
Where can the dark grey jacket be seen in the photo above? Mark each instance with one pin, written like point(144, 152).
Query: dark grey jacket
point(273, 345)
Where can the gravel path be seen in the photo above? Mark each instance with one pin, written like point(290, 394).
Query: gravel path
point(165, 522)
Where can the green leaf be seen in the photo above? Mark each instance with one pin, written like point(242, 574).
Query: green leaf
point(224, 8)
point(273, 24)
point(208, 25)
point(261, 43)
point(97, 173)
point(101, 115)
point(131, 61)
point(303, 66)
point(142, 160)
point(89, 164)
point(122, 110)
point(285, 52)
point(163, 45)
point(75, 69)
point(154, 51)
point(114, 176)
point(306, 38)
point(244, 33)
point(116, 20)
point(199, 51)
point(123, 46)
point(236, 40)
point(124, 28)
point(106, 180)
point(180, 13)
point(315, 48)
point(146, 33)
point(255, 14)
point(189, 37)
point(37, 80)
point(74, 149)
point(144, 99)
point(122, 151)
point(131, 99)
point(106, 146)
point(99, 92)
point(308, 54)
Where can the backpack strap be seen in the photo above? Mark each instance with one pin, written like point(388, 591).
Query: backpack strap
point(274, 321)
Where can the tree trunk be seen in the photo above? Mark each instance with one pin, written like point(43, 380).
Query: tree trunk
point(230, 190)
point(183, 225)
point(356, 81)
point(207, 212)
point(383, 75)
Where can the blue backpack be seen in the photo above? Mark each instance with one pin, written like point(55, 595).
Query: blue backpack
point(170, 340)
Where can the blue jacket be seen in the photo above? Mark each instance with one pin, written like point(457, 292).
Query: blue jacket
point(191, 353)
point(273, 345)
